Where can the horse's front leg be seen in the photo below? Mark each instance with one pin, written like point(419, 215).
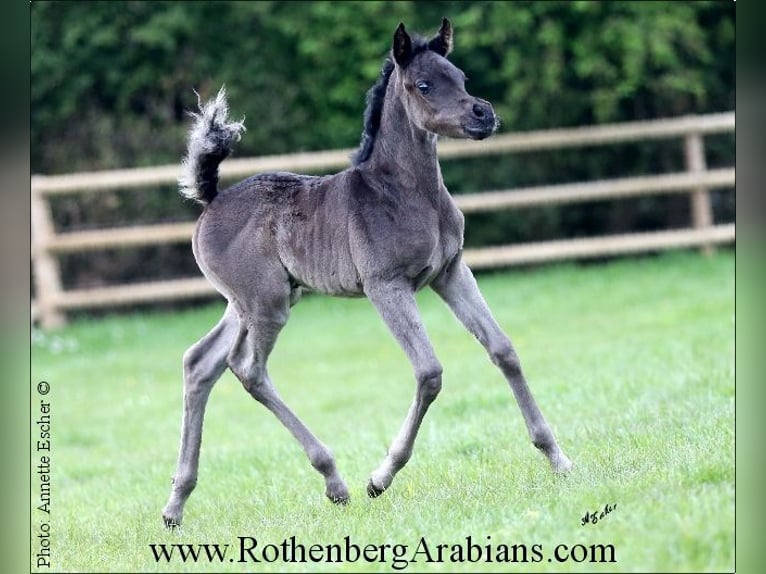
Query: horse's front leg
point(457, 286)
point(396, 305)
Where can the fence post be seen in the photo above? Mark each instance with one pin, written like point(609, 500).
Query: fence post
point(44, 263)
point(702, 210)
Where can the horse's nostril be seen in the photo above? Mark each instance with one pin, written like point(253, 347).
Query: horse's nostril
point(478, 111)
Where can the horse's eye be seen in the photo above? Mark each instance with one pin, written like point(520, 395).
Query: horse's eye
point(423, 86)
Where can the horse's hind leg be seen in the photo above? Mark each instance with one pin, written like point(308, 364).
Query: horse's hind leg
point(259, 328)
point(204, 363)
point(459, 290)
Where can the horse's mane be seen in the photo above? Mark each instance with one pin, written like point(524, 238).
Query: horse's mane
point(376, 95)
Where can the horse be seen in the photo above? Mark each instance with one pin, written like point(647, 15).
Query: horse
point(383, 228)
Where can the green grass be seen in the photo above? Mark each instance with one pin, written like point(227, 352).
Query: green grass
point(632, 363)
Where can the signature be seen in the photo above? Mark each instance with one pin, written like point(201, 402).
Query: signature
point(594, 517)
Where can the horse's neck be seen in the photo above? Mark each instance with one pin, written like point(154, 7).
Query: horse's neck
point(405, 152)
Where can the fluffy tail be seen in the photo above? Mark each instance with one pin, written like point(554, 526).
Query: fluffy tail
point(210, 141)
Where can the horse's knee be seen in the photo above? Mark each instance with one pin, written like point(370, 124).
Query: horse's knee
point(504, 356)
point(430, 382)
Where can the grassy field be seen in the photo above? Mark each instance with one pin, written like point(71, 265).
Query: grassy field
point(632, 363)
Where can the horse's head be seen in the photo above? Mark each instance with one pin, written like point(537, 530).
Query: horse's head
point(433, 89)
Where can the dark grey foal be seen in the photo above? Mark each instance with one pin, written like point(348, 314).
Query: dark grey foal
point(383, 228)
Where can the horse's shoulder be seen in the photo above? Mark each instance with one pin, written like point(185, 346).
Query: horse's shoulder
point(360, 182)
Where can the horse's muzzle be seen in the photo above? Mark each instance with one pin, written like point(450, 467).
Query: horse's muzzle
point(483, 121)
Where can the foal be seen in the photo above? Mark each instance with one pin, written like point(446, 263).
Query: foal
point(383, 228)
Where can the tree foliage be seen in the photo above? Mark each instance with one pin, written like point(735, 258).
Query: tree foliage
point(111, 80)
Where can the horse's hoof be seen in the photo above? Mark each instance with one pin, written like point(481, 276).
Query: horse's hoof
point(171, 518)
point(339, 497)
point(170, 522)
point(373, 491)
point(337, 491)
point(339, 500)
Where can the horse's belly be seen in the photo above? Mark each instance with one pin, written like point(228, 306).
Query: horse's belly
point(321, 261)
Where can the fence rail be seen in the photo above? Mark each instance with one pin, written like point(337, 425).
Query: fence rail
point(47, 244)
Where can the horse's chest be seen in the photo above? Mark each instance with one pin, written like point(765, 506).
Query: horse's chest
point(427, 244)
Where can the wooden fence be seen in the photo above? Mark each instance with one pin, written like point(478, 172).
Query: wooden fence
point(697, 180)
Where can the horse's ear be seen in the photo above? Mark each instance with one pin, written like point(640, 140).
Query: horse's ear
point(442, 42)
point(402, 48)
